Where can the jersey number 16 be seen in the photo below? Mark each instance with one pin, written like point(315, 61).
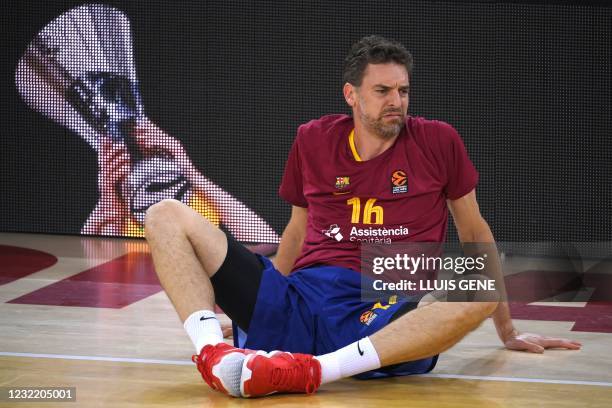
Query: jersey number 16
point(372, 214)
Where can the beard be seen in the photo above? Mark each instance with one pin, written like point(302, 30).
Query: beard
point(378, 126)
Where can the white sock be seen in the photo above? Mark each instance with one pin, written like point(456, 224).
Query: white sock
point(203, 328)
point(356, 358)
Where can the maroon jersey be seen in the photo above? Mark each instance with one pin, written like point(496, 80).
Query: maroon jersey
point(398, 196)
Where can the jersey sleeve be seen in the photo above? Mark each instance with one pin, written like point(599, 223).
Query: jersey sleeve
point(292, 187)
point(461, 175)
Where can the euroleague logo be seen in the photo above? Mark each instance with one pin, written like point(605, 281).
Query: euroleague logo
point(367, 317)
point(399, 182)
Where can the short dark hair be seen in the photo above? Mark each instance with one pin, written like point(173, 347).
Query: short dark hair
point(374, 49)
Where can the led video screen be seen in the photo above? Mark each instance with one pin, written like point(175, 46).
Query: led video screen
point(113, 106)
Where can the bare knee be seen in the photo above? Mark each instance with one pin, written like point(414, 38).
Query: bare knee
point(162, 213)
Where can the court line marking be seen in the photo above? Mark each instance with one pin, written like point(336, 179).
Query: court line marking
point(96, 358)
point(185, 362)
point(517, 379)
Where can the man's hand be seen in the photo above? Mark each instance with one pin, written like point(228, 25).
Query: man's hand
point(534, 343)
point(112, 210)
point(226, 329)
point(154, 141)
point(114, 167)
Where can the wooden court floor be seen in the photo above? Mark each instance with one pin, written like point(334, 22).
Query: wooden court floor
point(89, 314)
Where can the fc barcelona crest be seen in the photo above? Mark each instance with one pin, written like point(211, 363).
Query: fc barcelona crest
point(342, 182)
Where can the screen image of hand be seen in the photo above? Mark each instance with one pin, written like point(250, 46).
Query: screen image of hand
point(111, 212)
point(112, 216)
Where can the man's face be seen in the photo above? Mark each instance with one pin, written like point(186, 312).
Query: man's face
point(381, 101)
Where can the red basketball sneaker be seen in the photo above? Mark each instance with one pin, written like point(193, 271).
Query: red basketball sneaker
point(279, 372)
point(221, 367)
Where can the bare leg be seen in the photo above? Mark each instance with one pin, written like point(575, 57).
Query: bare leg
point(187, 250)
point(428, 330)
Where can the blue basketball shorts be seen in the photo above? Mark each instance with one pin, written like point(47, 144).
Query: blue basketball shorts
point(318, 310)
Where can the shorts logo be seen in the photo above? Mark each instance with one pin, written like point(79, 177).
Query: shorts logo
point(333, 232)
point(342, 182)
point(399, 182)
point(367, 317)
point(379, 305)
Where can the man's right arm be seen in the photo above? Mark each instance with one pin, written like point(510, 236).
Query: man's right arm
point(291, 241)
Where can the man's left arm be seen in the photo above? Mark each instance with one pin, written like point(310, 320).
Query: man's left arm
point(472, 228)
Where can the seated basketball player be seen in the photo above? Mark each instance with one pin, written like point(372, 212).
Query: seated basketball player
point(307, 303)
